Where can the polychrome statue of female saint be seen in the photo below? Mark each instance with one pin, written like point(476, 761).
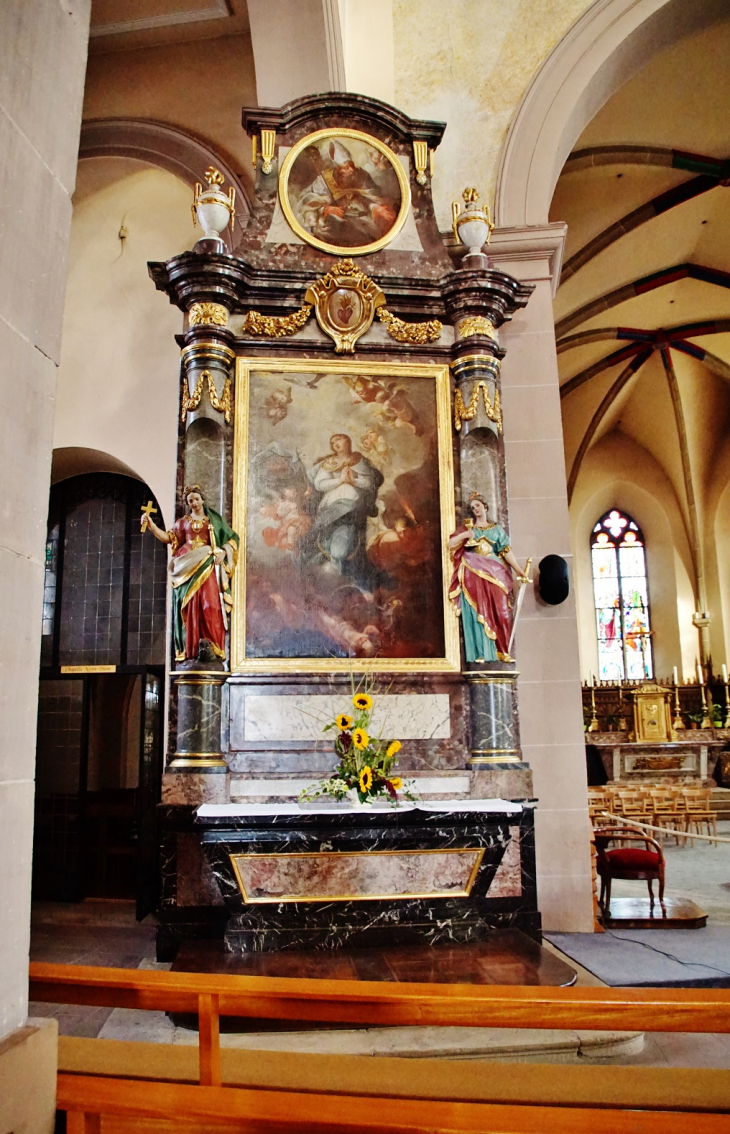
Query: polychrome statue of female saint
point(204, 553)
point(482, 584)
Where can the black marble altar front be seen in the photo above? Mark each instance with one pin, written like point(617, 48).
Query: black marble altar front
point(497, 901)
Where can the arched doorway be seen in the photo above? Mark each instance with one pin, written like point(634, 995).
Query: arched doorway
point(99, 753)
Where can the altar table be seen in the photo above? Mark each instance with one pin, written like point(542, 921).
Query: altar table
point(320, 877)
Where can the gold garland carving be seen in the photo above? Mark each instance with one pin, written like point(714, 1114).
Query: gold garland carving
point(493, 409)
point(214, 313)
point(222, 404)
point(403, 332)
point(276, 326)
point(476, 325)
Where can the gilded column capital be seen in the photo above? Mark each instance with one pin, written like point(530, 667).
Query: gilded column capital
point(479, 301)
point(208, 313)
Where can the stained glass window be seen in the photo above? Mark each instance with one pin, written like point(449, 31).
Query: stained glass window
point(621, 599)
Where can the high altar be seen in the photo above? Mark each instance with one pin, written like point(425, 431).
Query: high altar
point(342, 511)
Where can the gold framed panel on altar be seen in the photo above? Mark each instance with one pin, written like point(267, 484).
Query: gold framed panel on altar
point(343, 496)
point(344, 192)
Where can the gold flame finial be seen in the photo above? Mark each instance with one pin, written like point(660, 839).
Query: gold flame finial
point(213, 176)
point(470, 195)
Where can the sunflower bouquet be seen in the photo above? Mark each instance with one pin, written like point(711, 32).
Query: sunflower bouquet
point(365, 762)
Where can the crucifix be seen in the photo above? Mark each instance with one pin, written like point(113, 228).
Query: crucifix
point(147, 511)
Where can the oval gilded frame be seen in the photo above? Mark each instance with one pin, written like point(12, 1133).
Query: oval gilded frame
point(368, 139)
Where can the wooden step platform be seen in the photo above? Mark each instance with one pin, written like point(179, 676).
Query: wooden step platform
point(506, 957)
point(637, 913)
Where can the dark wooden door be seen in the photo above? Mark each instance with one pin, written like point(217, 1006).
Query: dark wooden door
point(148, 795)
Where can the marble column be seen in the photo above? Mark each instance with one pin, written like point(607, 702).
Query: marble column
point(198, 722)
point(42, 61)
point(205, 456)
point(479, 300)
point(551, 718)
point(206, 443)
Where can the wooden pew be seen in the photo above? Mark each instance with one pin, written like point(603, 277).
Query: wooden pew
point(224, 1109)
point(361, 1003)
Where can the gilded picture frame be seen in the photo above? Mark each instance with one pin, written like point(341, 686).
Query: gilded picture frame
point(360, 584)
point(321, 197)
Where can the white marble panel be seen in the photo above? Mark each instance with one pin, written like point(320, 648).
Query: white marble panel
point(290, 788)
point(407, 716)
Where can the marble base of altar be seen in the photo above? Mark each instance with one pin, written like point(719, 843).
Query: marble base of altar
point(692, 757)
point(439, 872)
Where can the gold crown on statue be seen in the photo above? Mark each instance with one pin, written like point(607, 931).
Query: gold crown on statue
point(192, 488)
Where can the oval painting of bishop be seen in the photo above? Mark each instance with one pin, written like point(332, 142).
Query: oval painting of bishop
point(344, 192)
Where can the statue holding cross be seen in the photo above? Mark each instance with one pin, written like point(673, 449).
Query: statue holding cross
point(204, 553)
point(147, 511)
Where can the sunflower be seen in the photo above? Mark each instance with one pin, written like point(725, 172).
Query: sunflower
point(360, 739)
point(396, 782)
point(362, 701)
point(343, 721)
point(393, 749)
point(366, 779)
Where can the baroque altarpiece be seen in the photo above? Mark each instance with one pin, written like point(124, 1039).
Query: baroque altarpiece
point(342, 524)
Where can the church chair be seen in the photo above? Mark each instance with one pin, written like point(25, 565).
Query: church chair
point(598, 801)
point(628, 862)
point(666, 815)
point(699, 816)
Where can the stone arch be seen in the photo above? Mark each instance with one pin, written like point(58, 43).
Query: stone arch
point(604, 49)
point(163, 146)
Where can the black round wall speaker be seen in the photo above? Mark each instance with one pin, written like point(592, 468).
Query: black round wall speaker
point(553, 583)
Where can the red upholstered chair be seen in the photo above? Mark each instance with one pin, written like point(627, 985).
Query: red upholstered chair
point(626, 861)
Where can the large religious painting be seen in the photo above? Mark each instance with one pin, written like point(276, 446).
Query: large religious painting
point(343, 497)
point(344, 192)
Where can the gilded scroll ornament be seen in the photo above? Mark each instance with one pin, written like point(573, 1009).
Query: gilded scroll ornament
point(214, 313)
point(345, 301)
point(276, 326)
point(223, 404)
point(493, 409)
point(417, 333)
point(477, 325)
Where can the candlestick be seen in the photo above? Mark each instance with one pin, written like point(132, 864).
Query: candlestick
point(622, 725)
point(724, 674)
point(700, 675)
point(706, 722)
point(593, 726)
point(677, 723)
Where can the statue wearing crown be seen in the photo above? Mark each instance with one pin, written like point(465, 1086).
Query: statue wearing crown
point(482, 586)
point(204, 553)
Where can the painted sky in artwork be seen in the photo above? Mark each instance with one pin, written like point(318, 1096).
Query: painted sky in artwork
point(343, 539)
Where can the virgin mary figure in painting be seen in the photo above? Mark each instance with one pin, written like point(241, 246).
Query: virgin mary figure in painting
point(482, 585)
point(204, 552)
point(349, 484)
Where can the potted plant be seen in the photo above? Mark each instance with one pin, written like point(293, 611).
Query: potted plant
point(695, 719)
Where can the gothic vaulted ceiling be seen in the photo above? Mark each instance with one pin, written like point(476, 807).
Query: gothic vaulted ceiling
point(643, 309)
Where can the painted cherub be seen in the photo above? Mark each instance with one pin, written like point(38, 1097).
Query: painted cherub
point(277, 405)
point(290, 523)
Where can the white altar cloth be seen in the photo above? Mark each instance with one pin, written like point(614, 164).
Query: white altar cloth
point(241, 810)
